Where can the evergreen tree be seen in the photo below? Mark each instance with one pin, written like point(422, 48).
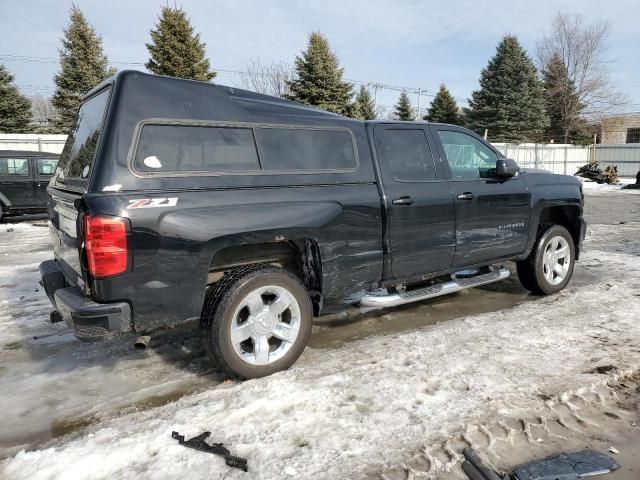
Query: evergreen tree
point(318, 79)
point(562, 103)
point(403, 110)
point(365, 107)
point(176, 50)
point(510, 102)
point(443, 108)
point(83, 65)
point(15, 108)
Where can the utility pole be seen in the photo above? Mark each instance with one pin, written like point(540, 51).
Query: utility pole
point(375, 93)
point(418, 110)
point(375, 96)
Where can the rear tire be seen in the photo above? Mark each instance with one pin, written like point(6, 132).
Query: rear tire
point(549, 267)
point(257, 322)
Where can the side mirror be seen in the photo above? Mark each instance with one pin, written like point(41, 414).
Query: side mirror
point(506, 167)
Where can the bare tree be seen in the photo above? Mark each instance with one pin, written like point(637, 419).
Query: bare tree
point(43, 113)
point(268, 79)
point(582, 47)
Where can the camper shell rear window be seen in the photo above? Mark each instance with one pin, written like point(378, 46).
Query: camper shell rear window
point(79, 150)
point(183, 148)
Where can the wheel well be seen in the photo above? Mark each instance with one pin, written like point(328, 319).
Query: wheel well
point(301, 257)
point(565, 215)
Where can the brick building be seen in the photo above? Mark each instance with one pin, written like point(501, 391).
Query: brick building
point(618, 129)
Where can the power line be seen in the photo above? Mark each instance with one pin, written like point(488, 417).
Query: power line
point(422, 92)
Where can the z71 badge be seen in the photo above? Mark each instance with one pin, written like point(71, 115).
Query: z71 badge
point(152, 203)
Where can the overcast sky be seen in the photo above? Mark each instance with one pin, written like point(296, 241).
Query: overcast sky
point(409, 43)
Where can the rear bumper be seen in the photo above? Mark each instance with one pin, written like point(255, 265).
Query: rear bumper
point(91, 320)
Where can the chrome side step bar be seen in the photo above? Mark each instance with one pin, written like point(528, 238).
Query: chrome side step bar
point(455, 285)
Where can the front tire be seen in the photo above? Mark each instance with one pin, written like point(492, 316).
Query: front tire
point(549, 267)
point(258, 323)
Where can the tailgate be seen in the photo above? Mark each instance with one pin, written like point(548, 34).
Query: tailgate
point(63, 229)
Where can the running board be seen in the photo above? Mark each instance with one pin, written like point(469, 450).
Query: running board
point(455, 285)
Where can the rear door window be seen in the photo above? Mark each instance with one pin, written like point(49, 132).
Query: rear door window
point(17, 167)
point(80, 149)
point(291, 149)
point(197, 148)
point(407, 153)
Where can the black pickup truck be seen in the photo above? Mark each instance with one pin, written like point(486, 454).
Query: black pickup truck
point(177, 200)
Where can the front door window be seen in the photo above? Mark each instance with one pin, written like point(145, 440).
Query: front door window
point(468, 158)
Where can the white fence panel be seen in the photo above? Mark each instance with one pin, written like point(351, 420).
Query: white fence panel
point(556, 158)
point(566, 159)
point(32, 142)
point(625, 157)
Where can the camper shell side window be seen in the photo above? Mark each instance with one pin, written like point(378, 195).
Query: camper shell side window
point(182, 148)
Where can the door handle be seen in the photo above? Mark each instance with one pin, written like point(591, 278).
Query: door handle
point(405, 200)
point(466, 196)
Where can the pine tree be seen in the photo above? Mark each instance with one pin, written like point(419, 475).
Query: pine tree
point(562, 103)
point(365, 107)
point(443, 108)
point(403, 110)
point(318, 79)
point(83, 65)
point(176, 50)
point(510, 102)
point(15, 108)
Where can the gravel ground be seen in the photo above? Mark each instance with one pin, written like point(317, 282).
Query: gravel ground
point(610, 209)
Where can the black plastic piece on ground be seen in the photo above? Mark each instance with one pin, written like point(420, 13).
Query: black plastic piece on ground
point(567, 466)
point(199, 443)
point(55, 317)
point(634, 186)
point(475, 469)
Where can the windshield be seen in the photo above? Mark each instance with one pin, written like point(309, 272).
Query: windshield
point(80, 148)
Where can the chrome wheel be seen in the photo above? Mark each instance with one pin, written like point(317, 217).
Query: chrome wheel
point(556, 260)
point(265, 325)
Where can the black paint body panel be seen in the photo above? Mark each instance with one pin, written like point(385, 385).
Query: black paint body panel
point(363, 240)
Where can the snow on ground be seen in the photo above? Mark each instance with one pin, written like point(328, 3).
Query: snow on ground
point(593, 188)
point(338, 413)
point(52, 382)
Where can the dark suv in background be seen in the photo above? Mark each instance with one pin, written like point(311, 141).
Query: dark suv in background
point(24, 177)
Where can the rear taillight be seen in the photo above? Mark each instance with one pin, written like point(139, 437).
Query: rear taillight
point(106, 244)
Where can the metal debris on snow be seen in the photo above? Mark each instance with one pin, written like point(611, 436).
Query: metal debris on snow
point(199, 443)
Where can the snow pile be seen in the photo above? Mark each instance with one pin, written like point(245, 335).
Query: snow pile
point(338, 413)
point(593, 188)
